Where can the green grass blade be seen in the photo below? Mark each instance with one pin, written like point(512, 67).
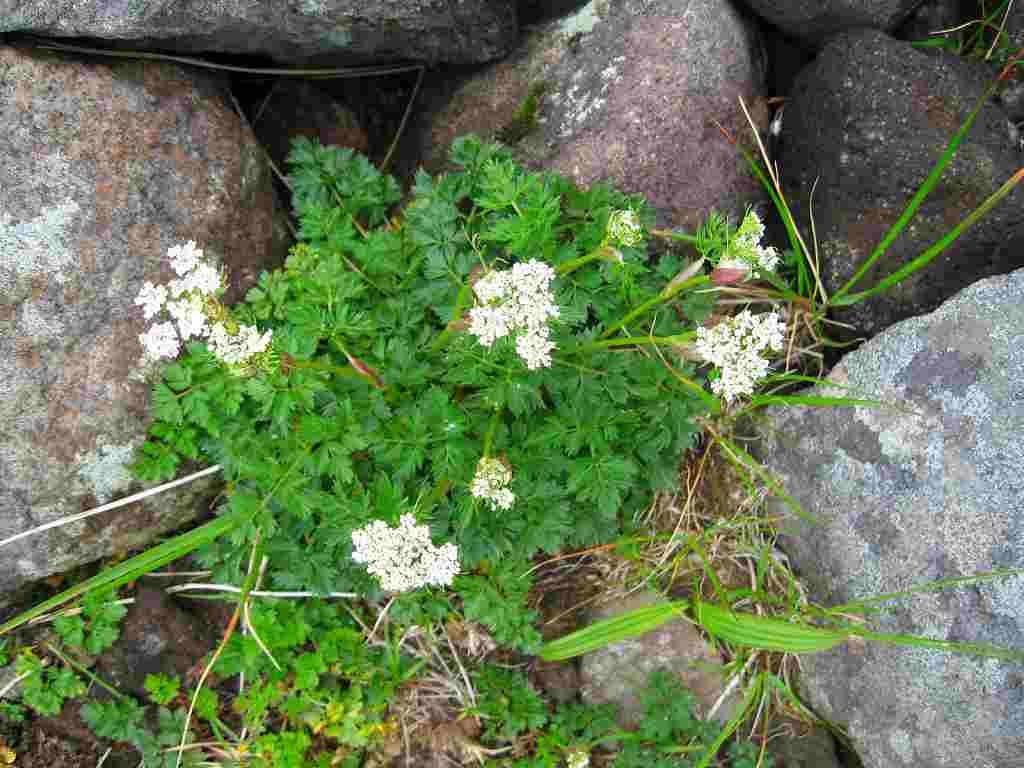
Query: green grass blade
point(972, 649)
point(916, 200)
point(766, 633)
point(753, 692)
point(133, 568)
point(857, 606)
point(925, 258)
point(602, 633)
point(747, 463)
point(812, 400)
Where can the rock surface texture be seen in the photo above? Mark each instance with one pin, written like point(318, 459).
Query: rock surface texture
point(815, 21)
point(616, 673)
point(631, 93)
point(868, 120)
point(459, 31)
point(104, 168)
point(927, 487)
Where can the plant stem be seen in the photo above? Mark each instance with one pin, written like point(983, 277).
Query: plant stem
point(662, 297)
point(670, 235)
point(79, 668)
point(625, 341)
point(460, 307)
point(601, 252)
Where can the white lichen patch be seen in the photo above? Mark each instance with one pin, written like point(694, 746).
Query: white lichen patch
point(39, 322)
point(105, 470)
point(584, 20)
point(38, 246)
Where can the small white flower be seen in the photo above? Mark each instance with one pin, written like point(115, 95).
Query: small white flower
point(578, 759)
point(488, 324)
point(160, 341)
point(625, 229)
point(491, 484)
point(735, 347)
point(404, 558)
point(184, 258)
point(204, 279)
point(237, 348)
point(151, 298)
point(517, 301)
point(535, 349)
point(190, 317)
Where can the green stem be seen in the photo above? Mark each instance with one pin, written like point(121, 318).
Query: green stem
point(489, 438)
point(601, 252)
point(465, 295)
point(625, 341)
point(79, 668)
point(669, 235)
point(662, 297)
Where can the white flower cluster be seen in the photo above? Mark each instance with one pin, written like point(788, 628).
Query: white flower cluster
point(517, 300)
point(578, 759)
point(624, 228)
point(191, 303)
point(745, 250)
point(491, 483)
point(736, 345)
point(404, 558)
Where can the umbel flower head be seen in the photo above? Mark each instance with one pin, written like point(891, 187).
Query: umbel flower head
point(624, 229)
point(736, 346)
point(191, 302)
point(577, 759)
point(745, 254)
point(517, 301)
point(491, 483)
point(404, 558)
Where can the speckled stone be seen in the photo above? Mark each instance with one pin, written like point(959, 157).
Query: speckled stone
point(814, 21)
point(632, 93)
point(864, 126)
point(335, 31)
point(104, 168)
point(926, 487)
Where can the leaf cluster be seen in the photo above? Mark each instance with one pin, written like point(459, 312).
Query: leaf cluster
point(45, 688)
point(96, 627)
point(383, 405)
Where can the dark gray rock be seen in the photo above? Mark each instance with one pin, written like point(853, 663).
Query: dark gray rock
point(296, 108)
point(631, 93)
point(618, 672)
point(924, 488)
point(868, 120)
point(104, 168)
point(814, 21)
point(157, 637)
point(931, 16)
point(800, 745)
point(460, 31)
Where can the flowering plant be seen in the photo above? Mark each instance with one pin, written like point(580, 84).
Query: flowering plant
point(488, 372)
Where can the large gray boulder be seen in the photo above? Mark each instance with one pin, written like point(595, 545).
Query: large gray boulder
point(104, 168)
point(464, 31)
point(926, 487)
point(631, 92)
point(814, 21)
point(867, 121)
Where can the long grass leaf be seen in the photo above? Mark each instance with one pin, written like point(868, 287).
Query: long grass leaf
point(747, 463)
point(613, 630)
point(916, 200)
point(935, 250)
point(813, 400)
point(856, 606)
point(765, 632)
point(133, 568)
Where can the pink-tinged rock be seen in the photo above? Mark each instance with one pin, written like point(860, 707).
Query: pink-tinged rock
point(633, 95)
point(103, 168)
